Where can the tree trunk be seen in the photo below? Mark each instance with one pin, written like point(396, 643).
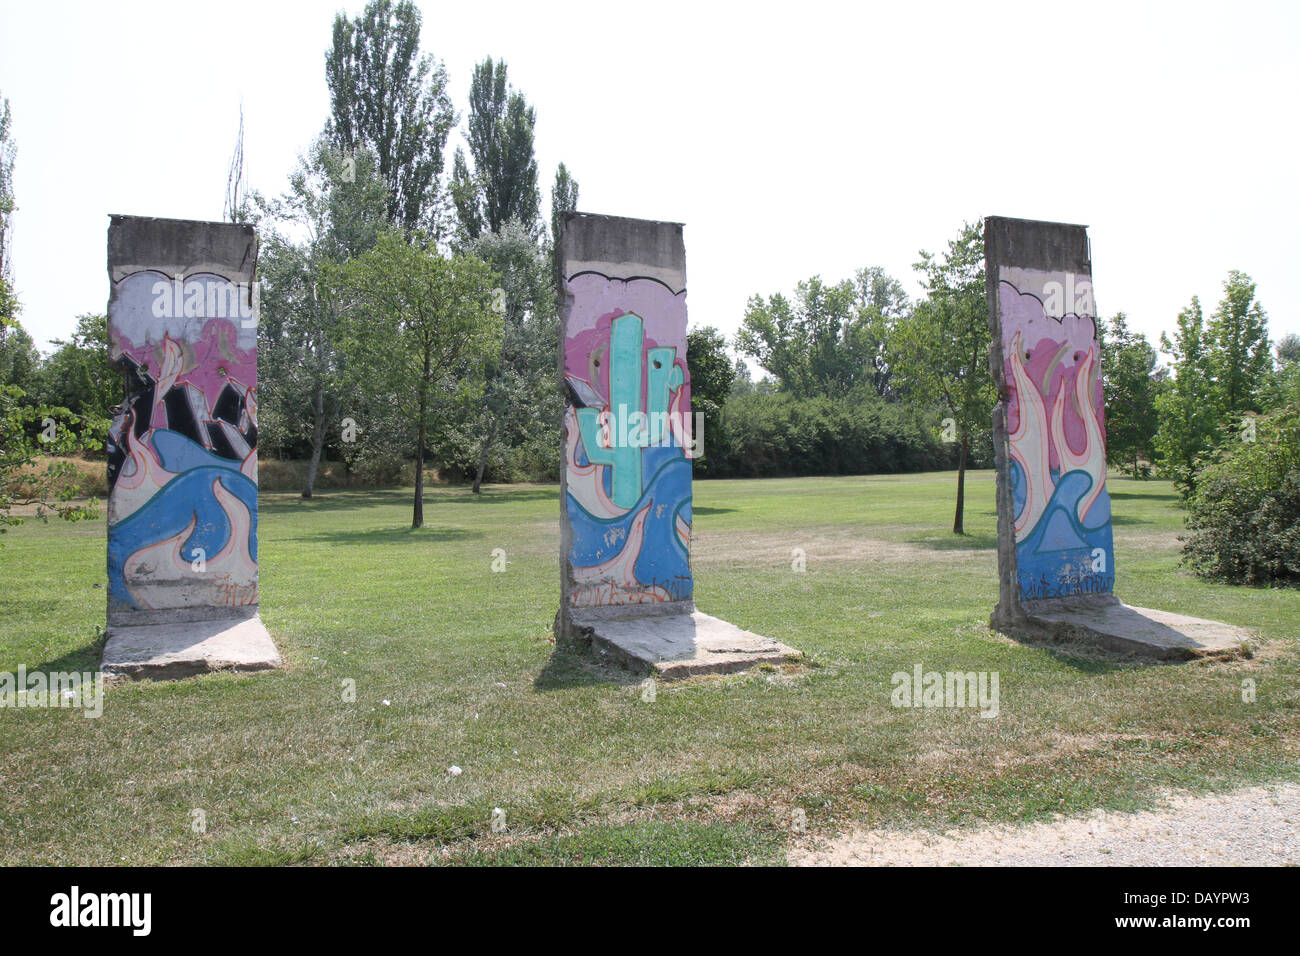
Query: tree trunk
point(317, 443)
point(417, 516)
point(958, 526)
point(486, 447)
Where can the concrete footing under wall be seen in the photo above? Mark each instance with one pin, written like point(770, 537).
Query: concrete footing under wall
point(673, 646)
point(182, 649)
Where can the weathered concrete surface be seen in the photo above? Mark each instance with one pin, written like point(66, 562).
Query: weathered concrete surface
point(1141, 631)
point(674, 646)
point(626, 587)
point(624, 511)
point(626, 248)
point(171, 651)
point(143, 243)
point(182, 447)
point(1056, 561)
point(1054, 531)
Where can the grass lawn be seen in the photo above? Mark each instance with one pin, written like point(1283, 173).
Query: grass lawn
point(453, 666)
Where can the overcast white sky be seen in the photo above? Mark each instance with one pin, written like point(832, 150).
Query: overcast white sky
point(792, 138)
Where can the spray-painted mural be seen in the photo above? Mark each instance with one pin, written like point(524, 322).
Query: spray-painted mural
point(627, 428)
point(1056, 431)
point(182, 468)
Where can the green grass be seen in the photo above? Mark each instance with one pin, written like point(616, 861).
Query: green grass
point(710, 772)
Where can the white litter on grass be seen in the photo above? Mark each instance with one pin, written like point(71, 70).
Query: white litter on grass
point(499, 684)
point(454, 770)
point(387, 703)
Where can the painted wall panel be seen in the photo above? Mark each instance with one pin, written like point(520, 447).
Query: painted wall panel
point(182, 468)
point(1054, 429)
point(627, 481)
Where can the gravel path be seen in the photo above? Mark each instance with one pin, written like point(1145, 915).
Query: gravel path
point(1255, 827)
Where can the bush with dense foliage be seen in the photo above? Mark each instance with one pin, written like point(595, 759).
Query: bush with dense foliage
point(767, 434)
point(1244, 514)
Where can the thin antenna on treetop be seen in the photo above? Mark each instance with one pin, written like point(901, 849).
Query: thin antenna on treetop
point(234, 207)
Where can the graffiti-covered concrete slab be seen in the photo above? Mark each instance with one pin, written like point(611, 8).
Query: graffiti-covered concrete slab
point(182, 448)
point(625, 495)
point(1052, 431)
point(1056, 555)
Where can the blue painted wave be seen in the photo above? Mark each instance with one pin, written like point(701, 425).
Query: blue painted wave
point(663, 560)
point(1058, 557)
point(188, 496)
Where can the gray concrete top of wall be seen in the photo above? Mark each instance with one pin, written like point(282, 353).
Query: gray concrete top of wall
point(180, 246)
point(624, 248)
point(1031, 244)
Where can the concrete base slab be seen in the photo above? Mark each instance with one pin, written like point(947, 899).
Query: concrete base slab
point(1138, 630)
point(680, 645)
point(171, 651)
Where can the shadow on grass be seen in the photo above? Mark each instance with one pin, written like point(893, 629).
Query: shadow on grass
point(1143, 496)
point(286, 502)
point(956, 542)
point(347, 499)
point(1127, 519)
point(1087, 658)
point(711, 511)
point(391, 535)
point(567, 669)
point(85, 658)
point(493, 496)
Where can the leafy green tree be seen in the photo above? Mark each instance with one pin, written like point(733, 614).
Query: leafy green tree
point(564, 199)
point(521, 403)
point(1237, 356)
point(941, 351)
point(20, 362)
point(1188, 417)
point(713, 374)
point(385, 96)
point(806, 343)
point(28, 434)
point(1222, 369)
point(78, 376)
point(1244, 513)
point(31, 430)
point(334, 209)
point(882, 304)
point(1130, 384)
point(422, 323)
point(1288, 349)
point(8, 305)
point(712, 370)
point(830, 339)
point(1284, 384)
point(502, 186)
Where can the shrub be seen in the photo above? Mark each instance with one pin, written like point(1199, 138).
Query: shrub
point(1244, 514)
point(765, 434)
